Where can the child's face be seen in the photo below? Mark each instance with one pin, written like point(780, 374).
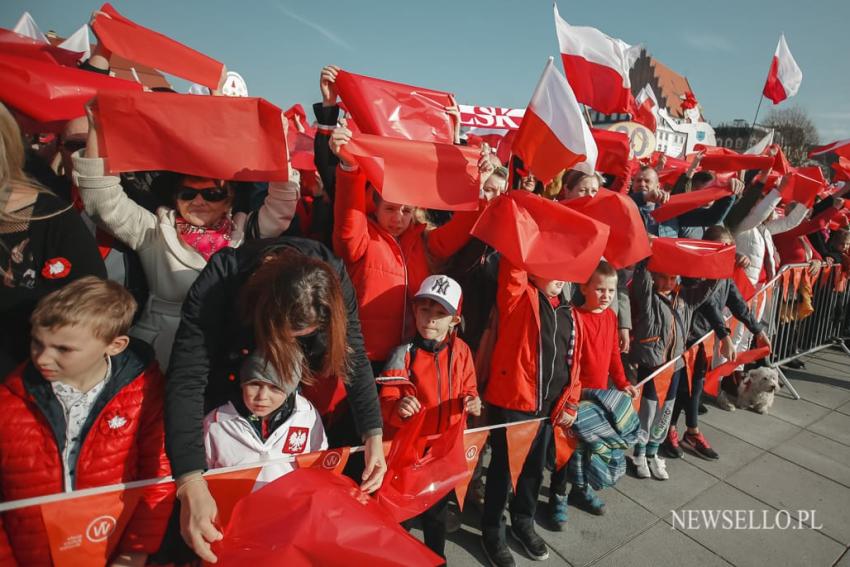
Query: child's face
point(664, 283)
point(432, 320)
point(552, 288)
point(71, 354)
point(599, 292)
point(261, 398)
point(393, 218)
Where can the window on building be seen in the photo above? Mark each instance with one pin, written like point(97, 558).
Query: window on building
point(739, 143)
point(728, 143)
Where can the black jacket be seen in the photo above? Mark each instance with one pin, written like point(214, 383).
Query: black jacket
point(211, 339)
point(726, 294)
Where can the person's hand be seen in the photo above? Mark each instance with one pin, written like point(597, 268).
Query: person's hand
point(658, 196)
point(662, 161)
point(624, 340)
point(566, 420)
point(838, 203)
point(92, 150)
point(454, 113)
point(815, 266)
point(376, 464)
point(695, 164)
point(408, 406)
point(762, 340)
point(327, 85)
point(485, 164)
point(829, 260)
point(198, 516)
point(737, 186)
point(742, 261)
point(130, 559)
point(472, 405)
point(631, 391)
point(727, 349)
point(339, 137)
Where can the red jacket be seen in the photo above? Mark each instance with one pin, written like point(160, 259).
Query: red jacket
point(386, 271)
point(113, 451)
point(515, 378)
point(433, 376)
point(792, 244)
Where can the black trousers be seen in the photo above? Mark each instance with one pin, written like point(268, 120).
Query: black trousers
point(434, 525)
point(498, 487)
point(688, 399)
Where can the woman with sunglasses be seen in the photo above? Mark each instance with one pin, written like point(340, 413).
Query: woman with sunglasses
point(175, 243)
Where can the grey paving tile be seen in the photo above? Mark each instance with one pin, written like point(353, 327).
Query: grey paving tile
point(798, 412)
point(820, 385)
point(686, 483)
point(734, 453)
point(463, 549)
point(845, 409)
point(819, 454)
point(786, 486)
point(764, 431)
point(758, 548)
point(662, 545)
point(844, 561)
point(836, 426)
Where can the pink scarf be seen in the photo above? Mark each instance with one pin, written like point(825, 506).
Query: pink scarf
point(205, 240)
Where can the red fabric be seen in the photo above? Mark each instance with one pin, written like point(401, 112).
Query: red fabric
point(598, 86)
point(541, 150)
point(473, 443)
point(12, 43)
point(142, 45)
point(314, 517)
point(519, 438)
point(545, 238)
point(692, 258)
point(300, 140)
point(712, 378)
point(790, 245)
point(780, 162)
point(802, 188)
point(422, 174)
point(31, 465)
point(431, 379)
point(205, 241)
point(601, 355)
point(689, 101)
point(176, 132)
point(840, 147)
point(613, 152)
point(744, 284)
point(841, 169)
point(396, 110)
point(673, 168)
point(645, 115)
point(514, 371)
point(773, 88)
point(724, 159)
point(48, 92)
point(684, 202)
point(627, 242)
point(387, 272)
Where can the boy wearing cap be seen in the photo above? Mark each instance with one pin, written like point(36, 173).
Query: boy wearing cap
point(436, 366)
point(270, 420)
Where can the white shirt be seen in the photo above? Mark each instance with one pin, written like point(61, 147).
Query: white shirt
point(76, 406)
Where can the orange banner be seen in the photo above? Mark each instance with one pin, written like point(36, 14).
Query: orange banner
point(473, 444)
point(519, 438)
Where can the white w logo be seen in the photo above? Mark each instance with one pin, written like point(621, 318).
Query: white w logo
point(100, 528)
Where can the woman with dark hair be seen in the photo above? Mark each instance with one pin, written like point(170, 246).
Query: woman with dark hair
point(277, 295)
point(175, 243)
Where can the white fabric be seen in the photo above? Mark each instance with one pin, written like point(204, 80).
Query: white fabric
point(759, 147)
point(231, 440)
point(555, 104)
point(646, 93)
point(26, 26)
point(788, 71)
point(830, 147)
point(594, 46)
point(79, 42)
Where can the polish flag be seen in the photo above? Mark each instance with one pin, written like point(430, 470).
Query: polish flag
point(784, 78)
point(597, 66)
point(646, 105)
point(553, 135)
point(841, 147)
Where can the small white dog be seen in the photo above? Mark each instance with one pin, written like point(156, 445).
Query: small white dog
point(755, 390)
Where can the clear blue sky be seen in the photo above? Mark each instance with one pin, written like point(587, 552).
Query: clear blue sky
point(492, 52)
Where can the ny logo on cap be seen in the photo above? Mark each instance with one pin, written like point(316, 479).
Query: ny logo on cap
point(441, 286)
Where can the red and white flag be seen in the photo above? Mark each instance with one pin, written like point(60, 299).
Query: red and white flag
point(840, 147)
point(646, 105)
point(785, 76)
point(597, 66)
point(553, 135)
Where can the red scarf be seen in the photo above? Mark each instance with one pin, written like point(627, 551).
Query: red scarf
point(205, 240)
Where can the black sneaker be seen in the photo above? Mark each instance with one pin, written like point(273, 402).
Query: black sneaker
point(702, 409)
point(497, 552)
point(697, 443)
point(533, 544)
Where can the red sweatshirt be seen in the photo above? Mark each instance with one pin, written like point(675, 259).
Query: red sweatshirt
point(600, 354)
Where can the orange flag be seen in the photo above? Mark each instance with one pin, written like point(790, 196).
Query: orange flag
point(85, 531)
point(662, 383)
point(333, 460)
point(712, 379)
point(690, 357)
point(473, 444)
point(797, 275)
point(230, 488)
point(636, 399)
point(565, 445)
point(786, 278)
point(519, 438)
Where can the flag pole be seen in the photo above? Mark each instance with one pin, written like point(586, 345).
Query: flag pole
point(753, 126)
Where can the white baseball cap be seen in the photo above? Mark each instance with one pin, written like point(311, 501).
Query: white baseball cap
point(444, 290)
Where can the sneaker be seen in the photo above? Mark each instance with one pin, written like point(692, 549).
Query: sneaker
point(497, 552)
point(641, 467)
point(453, 521)
point(533, 544)
point(702, 409)
point(558, 511)
point(671, 444)
point(658, 467)
point(584, 498)
point(696, 442)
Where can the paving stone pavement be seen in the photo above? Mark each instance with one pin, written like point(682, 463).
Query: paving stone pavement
point(780, 466)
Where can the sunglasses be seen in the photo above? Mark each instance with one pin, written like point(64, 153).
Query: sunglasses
point(211, 194)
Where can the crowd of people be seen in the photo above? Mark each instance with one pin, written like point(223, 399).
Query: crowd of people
point(160, 323)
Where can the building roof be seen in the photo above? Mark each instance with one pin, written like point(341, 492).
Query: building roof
point(666, 83)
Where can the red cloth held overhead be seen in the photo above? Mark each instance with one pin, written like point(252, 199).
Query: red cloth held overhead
point(543, 237)
point(780, 162)
point(802, 188)
point(385, 108)
point(627, 241)
point(422, 174)
point(142, 45)
point(207, 136)
point(684, 202)
point(841, 169)
point(12, 43)
point(692, 258)
point(724, 159)
point(613, 152)
point(48, 92)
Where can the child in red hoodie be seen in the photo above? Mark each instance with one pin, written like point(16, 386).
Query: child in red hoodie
point(600, 359)
point(435, 367)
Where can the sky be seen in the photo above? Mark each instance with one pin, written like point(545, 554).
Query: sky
point(491, 53)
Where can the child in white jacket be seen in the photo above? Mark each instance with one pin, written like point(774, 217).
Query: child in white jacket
point(271, 420)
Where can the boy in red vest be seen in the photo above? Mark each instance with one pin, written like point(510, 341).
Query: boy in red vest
point(85, 411)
